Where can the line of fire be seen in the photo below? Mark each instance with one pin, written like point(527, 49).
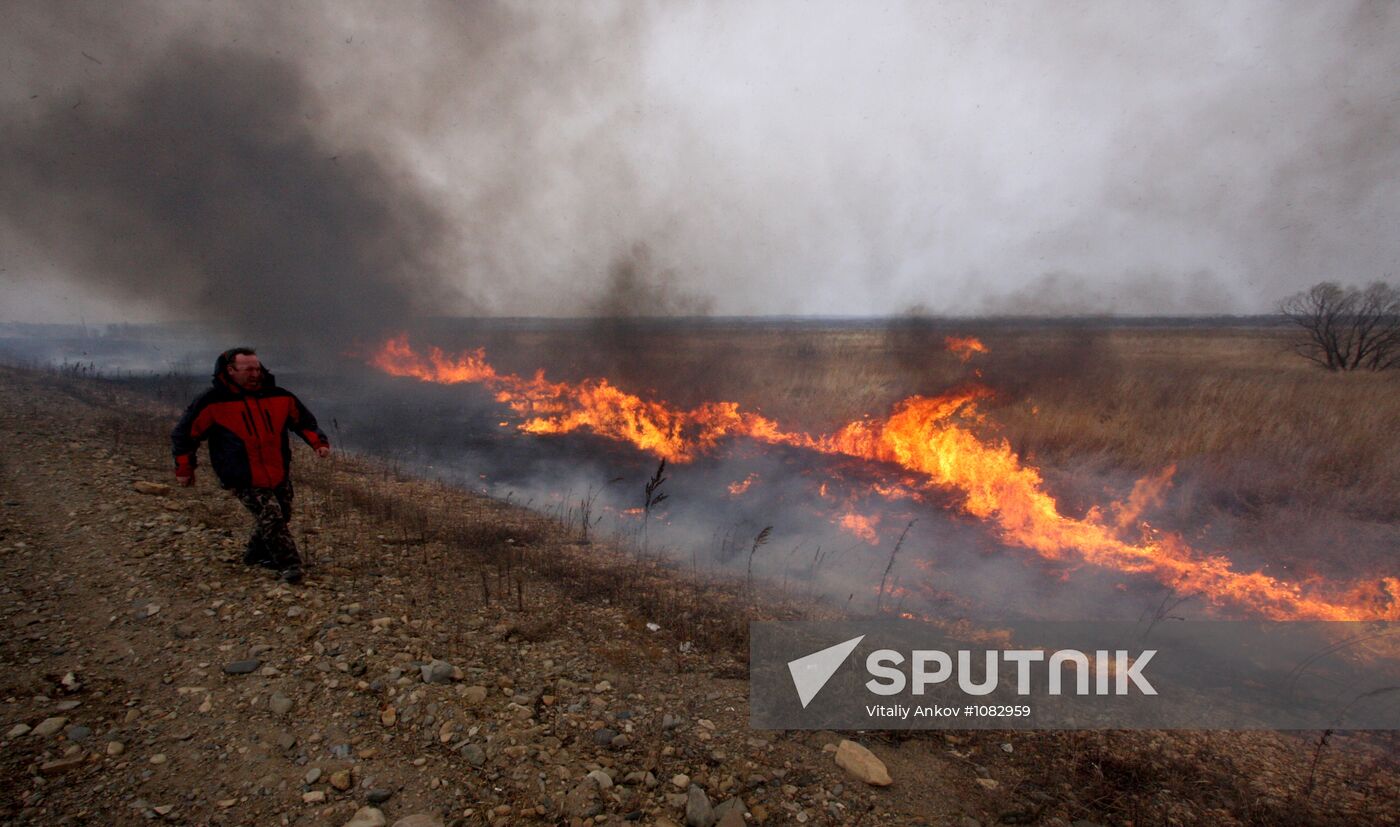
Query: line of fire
point(931, 451)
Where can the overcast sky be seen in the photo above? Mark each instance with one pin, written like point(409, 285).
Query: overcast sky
point(358, 161)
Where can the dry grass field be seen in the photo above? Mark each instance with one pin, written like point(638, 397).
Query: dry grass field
point(1277, 462)
point(1232, 403)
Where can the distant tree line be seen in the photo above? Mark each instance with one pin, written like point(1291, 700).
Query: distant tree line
point(1347, 328)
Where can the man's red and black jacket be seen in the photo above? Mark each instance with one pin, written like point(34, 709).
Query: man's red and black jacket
point(247, 433)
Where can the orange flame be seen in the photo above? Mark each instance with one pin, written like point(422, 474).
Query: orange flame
point(1147, 493)
point(964, 346)
point(897, 490)
point(860, 526)
point(594, 404)
point(929, 437)
point(738, 487)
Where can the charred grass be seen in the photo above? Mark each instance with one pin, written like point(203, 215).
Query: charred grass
point(476, 549)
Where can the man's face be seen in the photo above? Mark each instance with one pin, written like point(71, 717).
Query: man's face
point(246, 372)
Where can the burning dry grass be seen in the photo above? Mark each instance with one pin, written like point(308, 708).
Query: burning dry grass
point(1266, 426)
point(1234, 402)
point(936, 438)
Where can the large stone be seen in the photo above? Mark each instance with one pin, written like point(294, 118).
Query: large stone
point(153, 488)
point(603, 737)
point(367, 817)
point(437, 671)
point(698, 812)
point(418, 820)
point(242, 667)
point(475, 755)
point(862, 763)
point(59, 767)
point(48, 726)
point(279, 703)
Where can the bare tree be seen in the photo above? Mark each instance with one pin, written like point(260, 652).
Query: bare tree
point(1347, 328)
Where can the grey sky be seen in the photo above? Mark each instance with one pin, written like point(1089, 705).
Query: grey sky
point(740, 158)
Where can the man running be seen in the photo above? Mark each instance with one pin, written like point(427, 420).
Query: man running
point(246, 418)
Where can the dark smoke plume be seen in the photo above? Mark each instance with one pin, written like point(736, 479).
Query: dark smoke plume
point(638, 288)
point(206, 185)
point(639, 296)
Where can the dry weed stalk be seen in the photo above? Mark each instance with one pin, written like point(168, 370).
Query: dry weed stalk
point(880, 597)
point(759, 540)
point(654, 497)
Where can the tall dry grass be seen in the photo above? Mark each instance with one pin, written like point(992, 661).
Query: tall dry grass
point(1235, 407)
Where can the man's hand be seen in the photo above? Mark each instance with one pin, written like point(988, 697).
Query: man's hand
point(323, 451)
point(185, 481)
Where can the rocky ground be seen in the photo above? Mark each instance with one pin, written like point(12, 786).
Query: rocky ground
point(451, 659)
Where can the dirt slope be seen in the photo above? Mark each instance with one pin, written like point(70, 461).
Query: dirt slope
point(453, 657)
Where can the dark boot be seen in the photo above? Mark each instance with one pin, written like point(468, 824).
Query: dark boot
point(258, 554)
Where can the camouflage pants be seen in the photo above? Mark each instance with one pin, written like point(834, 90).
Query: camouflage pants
point(271, 544)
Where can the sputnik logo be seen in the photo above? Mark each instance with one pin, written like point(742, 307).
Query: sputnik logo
point(811, 672)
